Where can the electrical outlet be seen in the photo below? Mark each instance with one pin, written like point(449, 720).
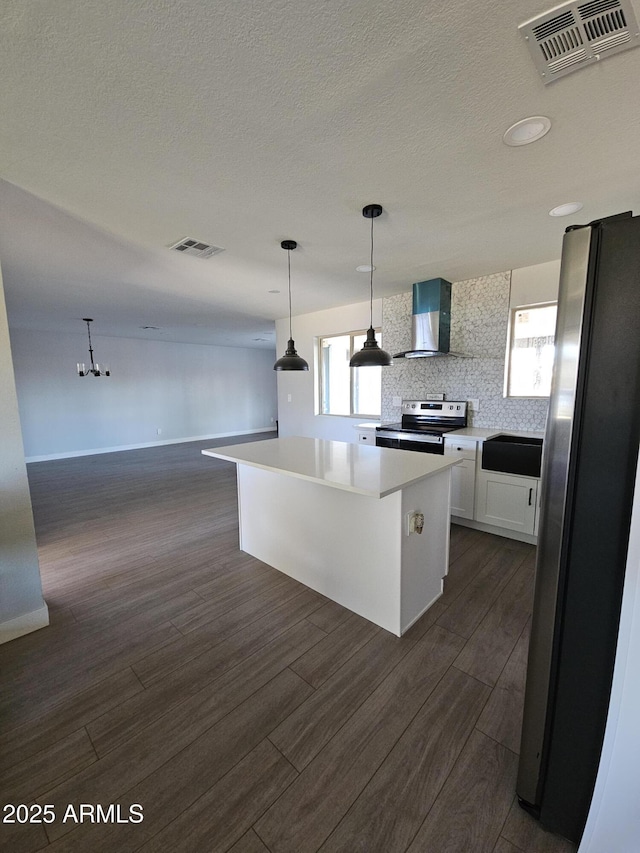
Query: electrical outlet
point(288, 398)
point(474, 405)
point(414, 522)
point(397, 401)
point(159, 431)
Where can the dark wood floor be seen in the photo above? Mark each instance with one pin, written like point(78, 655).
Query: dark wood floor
point(243, 711)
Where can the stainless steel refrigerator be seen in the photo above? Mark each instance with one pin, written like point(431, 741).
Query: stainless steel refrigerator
point(588, 470)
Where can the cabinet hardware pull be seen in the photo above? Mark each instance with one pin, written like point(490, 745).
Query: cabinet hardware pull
point(530, 496)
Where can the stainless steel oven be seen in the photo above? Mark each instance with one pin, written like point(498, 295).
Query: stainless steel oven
point(423, 426)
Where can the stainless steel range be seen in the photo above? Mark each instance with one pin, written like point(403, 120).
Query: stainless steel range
point(423, 426)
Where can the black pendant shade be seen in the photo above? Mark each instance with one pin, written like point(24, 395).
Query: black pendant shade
point(371, 355)
point(290, 360)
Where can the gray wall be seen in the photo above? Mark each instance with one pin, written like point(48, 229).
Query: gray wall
point(188, 391)
point(20, 588)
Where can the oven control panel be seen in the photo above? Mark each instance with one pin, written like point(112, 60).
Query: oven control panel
point(439, 409)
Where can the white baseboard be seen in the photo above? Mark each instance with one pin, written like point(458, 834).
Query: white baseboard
point(498, 531)
point(72, 453)
point(24, 624)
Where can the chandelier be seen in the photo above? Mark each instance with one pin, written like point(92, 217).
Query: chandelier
point(95, 369)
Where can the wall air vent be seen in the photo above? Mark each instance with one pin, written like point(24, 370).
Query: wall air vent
point(576, 34)
point(196, 248)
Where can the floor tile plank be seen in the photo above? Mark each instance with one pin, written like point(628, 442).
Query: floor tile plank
point(25, 781)
point(172, 786)
point(263, 587)
point(504, 846)
point(234, 666)
point(20, 743)
point(52, 680)
point(303, 734)
point(415, 770)
point(301, 820)
point(501, 718)
point(490, 645)
point(465, 563)
point(329, 616)
point(257, 619)
point(474, 802)
point(22, 838)
point(228, 809)
point(249, 843)
point(325, 658)
point(467, 611)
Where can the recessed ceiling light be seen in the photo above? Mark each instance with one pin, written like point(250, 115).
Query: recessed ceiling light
point(527, 130)
point(365, 268)
point(274, 291)
point(566, 209)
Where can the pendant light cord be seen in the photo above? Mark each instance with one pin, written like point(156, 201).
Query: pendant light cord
point(289, 267)
point(371, 280)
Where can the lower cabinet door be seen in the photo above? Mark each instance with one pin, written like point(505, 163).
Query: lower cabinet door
point(506, 501)
point(463, 487)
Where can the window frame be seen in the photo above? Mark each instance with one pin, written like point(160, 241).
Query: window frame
point(320, 389)
point(510, 338)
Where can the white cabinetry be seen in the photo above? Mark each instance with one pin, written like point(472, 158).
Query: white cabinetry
point(463, 476)
point(506, 500)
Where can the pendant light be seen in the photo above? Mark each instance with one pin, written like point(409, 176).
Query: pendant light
point(371, 355)
point(290, 360)
point(95, 369)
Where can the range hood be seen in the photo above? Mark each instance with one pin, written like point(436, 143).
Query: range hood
point(430, 320)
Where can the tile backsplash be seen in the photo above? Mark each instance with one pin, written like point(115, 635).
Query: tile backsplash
point(479, 320)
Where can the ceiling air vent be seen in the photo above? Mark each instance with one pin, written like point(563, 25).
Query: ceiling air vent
point(196, 248)
point(577, 34)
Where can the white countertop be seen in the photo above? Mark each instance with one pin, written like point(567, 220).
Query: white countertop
point(472, 432)
point(362, 469)
point(481, 434)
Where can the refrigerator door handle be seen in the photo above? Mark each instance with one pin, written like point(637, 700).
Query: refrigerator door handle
point(530, 495)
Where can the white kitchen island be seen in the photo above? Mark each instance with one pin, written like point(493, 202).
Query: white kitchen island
point(335, 516)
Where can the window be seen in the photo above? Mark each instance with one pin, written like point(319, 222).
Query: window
point(531, 350)
point(348, 390)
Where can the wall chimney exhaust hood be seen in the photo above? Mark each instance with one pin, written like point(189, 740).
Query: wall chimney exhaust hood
point(430, 320)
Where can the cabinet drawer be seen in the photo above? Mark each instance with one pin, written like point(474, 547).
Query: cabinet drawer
point(460, 447)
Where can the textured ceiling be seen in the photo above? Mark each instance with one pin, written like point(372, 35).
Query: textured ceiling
point(129, 125)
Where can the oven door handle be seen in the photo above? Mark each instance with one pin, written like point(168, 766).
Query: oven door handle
point(403, 436)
